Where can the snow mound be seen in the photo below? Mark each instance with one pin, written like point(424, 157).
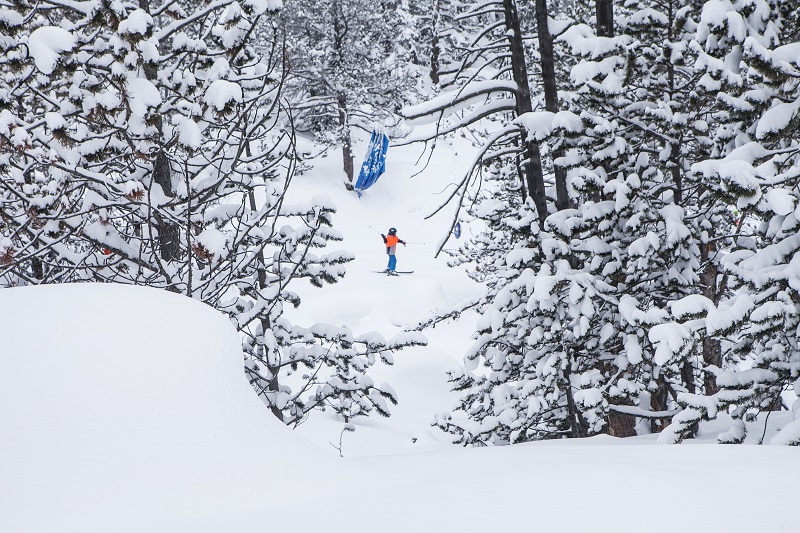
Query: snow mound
point(127, 409)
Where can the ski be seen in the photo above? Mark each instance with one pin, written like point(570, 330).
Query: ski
point(396, 272)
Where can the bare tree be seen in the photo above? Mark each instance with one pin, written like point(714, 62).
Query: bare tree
point(493, 78)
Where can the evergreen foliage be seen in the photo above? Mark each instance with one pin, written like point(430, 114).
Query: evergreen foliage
point(612, 312)
point(757, 169)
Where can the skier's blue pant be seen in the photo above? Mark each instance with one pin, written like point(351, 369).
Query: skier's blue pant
point(392, 262)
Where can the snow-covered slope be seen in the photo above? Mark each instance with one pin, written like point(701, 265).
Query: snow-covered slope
point(126, 410)
point(366, 301)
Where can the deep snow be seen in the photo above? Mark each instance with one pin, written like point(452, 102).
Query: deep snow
point(126, 409)
point(114, 422)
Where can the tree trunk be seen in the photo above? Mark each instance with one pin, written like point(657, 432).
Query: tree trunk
point(347, 143)
point(551, 96)
point(604, 20)
point(712, 355)
point(261, 278)
point(340, 29)
point(577, 424)
point(687, 376)
point(604, 10)
point(169, 233)
point(532, 164)
point(658, 402)
point(621, 424)
point(37, 266)
point(712, 349)
point(435, 47)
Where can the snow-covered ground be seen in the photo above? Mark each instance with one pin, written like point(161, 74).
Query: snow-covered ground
point(126, 409)
point(132, 414)
point(365, 300)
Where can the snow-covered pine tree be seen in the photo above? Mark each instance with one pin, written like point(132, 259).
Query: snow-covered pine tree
point(756, 168)
point(349, 69)
point(429, 34)
point(660, 102)
point(539, 322)
point(148, 146)
point(646, 233)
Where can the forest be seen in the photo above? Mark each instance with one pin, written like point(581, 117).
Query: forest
point(636, 185)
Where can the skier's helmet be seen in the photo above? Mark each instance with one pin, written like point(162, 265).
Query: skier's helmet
point(392, 231)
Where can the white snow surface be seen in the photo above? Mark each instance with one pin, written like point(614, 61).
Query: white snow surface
point(138, 21)
point(214, 241)
point(126, 409)
point(132, 413)
point(189, 134)
point(780, 201)
point(142, 94)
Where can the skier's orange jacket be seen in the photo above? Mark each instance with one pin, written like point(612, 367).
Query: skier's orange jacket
point(391, 243)
point(391, 240)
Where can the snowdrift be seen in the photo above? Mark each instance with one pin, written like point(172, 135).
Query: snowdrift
point(127, 409)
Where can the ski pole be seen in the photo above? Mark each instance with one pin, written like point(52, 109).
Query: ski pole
point(407, 242)
point(376, 231)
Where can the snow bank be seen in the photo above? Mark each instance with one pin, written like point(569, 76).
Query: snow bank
point(221, 93)
point(127, 409)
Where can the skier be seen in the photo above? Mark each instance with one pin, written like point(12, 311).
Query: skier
point(391, 246)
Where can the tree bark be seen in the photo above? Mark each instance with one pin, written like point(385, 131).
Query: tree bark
point(169, 233)
point(340, 30)
point(435, 47)
point(712, 355)
point(551, 96)
point(621, 424)
point(712, 349)
point(577, 424)
point(532, 164)
point(347, 143)
point(37, 267)
point(658, 402)
point(604, 10)
point(687, 376)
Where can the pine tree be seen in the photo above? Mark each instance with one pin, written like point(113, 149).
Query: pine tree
point(589, 342)
point(755, 168)
point(429, 32)
point(658, 102)
point(538, 314)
